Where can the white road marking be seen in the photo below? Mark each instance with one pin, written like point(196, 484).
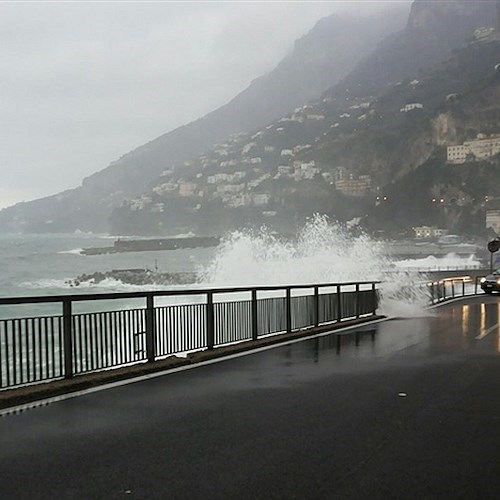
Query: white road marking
point(487, 332)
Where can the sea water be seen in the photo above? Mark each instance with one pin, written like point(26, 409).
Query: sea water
point(322, 252)
point(45, 265)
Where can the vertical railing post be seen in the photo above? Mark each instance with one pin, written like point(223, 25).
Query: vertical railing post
point(288, 301)
point(453, 288)
point(374, 299)
point(150, 328)
point(67, 339)
point(339, 304)
point(316, 305)
point(444, 289)
point(358, 305)
point(463, 287)
point(255, 329)
point(210, 321)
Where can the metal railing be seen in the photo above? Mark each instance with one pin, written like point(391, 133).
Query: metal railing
point(451, 288)
point(40, 348)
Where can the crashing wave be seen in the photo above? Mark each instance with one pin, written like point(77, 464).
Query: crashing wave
point(325, 251)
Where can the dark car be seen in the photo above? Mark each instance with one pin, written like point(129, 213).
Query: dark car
point(491, 283)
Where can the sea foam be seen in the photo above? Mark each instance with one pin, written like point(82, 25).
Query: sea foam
point(324, 251)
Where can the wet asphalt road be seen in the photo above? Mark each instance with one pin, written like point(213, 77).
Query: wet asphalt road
point(407, 408)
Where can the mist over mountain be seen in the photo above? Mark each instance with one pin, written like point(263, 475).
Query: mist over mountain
point(321, 146)
point(381, 159)
point(345, 153)
point(433, 29)
point(318, 60)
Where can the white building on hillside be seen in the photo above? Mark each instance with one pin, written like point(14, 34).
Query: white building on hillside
point(493, 216)
point(478, 149)
point(410, 107)
point(260, 199)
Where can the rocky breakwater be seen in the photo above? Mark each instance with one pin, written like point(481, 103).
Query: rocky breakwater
point(136, 277)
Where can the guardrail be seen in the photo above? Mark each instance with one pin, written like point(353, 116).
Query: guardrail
point(451, 288)
point(440, 269)
point(43, 348)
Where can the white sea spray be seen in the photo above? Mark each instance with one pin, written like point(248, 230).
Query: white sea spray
point(74, 251)
point(324, 252)
point(451, 260)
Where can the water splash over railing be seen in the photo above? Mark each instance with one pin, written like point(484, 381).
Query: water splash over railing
point(324, 250)
point(39, 349)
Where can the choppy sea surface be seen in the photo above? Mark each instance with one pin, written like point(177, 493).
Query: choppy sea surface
point(43, 264)
point(323, 252)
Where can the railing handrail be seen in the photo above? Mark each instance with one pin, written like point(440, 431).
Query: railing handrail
point(37, 299)
point(441, 295)
point(41, 348)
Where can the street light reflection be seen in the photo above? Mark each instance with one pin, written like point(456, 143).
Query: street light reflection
point(483, 319)
point(498, 331)
point(465, 320)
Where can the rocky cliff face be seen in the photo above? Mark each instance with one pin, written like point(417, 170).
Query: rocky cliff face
point(434, 28)
point(434, 16)
point(434, 192)
point(475, 112)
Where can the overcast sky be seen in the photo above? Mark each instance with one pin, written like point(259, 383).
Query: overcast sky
point(82, 83)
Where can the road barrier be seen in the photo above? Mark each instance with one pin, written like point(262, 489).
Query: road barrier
point(451, 288)
point(41, 348)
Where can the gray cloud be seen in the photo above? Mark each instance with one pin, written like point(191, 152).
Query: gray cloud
point(83, 83)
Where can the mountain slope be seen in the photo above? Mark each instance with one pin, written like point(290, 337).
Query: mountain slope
point(292, 167)
point(434, 28)
point(338, 155)
point(319, 59)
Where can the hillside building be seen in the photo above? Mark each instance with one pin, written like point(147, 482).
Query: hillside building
point(410, 107)
point(354, 187)
point(483, 33)
point(315, 117)
point(300, 147)
point(166, 187)
point(228, 163)
point(261, 199)
point(187, 189)
point(230, 188)
point(158, 207)
point(493, 216)
point(478, 149)
point(140, 203)
point(457, 154)
point(216, 178)
point(284, 169)
point(247, 147)
point(424, 232)
point(240, 200)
